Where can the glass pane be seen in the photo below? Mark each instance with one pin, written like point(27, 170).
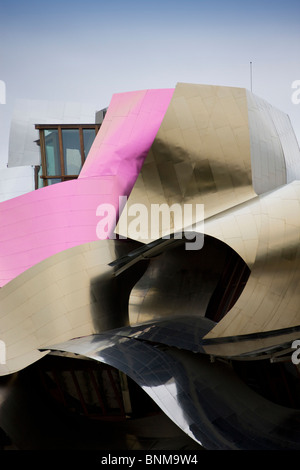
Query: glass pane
point(52, 152)
point(53, 181)
point(71, 148)
point(88, 138)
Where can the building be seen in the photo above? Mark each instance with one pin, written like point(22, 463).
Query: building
point(208, 334)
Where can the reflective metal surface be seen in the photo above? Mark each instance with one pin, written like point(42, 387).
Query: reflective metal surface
point(108, 284)
point(274, 147)
point(49, 220)
point(201, 153)
point(266, 235)
point(219, 146)
point(70, 294)
point(206, 400)
point(174, 320)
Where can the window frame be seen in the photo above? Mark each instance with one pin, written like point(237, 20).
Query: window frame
point(59, 127)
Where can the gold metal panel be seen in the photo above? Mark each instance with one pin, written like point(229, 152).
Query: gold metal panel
point(271, 298)
point(201, 154)
point(176, 282)
point(70, 294)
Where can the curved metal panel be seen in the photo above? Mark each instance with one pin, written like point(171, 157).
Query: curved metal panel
point(271, 230)
point(201, 154)
point(180, 282)
point(151, 300)
point(267, 155)
point(217, 146)
point(127, 133)
point(73, 293)
point(275, 153)
point(107, 284)
point(44, 222)
point(207, 401)
point(182, 332)
point(65, 215)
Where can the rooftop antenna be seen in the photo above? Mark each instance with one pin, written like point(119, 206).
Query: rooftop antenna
point(251, 78)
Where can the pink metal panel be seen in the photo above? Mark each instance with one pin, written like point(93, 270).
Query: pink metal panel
point(127, 133)
point(49, 220)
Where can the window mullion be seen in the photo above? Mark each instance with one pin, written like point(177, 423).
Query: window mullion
point(61, 152)
point(43, 156)
point(81, 145)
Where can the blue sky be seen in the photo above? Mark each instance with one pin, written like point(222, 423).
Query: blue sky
point(86, 51)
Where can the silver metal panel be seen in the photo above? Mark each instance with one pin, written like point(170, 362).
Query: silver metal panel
point(15, 181)
point(288, 142)
point(23, 150)
point(275, 154)
point(267, 155)
point(206, 400)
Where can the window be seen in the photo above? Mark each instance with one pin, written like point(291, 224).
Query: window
point(64, 148)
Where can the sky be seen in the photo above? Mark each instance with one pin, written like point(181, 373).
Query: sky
point(88, 50)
